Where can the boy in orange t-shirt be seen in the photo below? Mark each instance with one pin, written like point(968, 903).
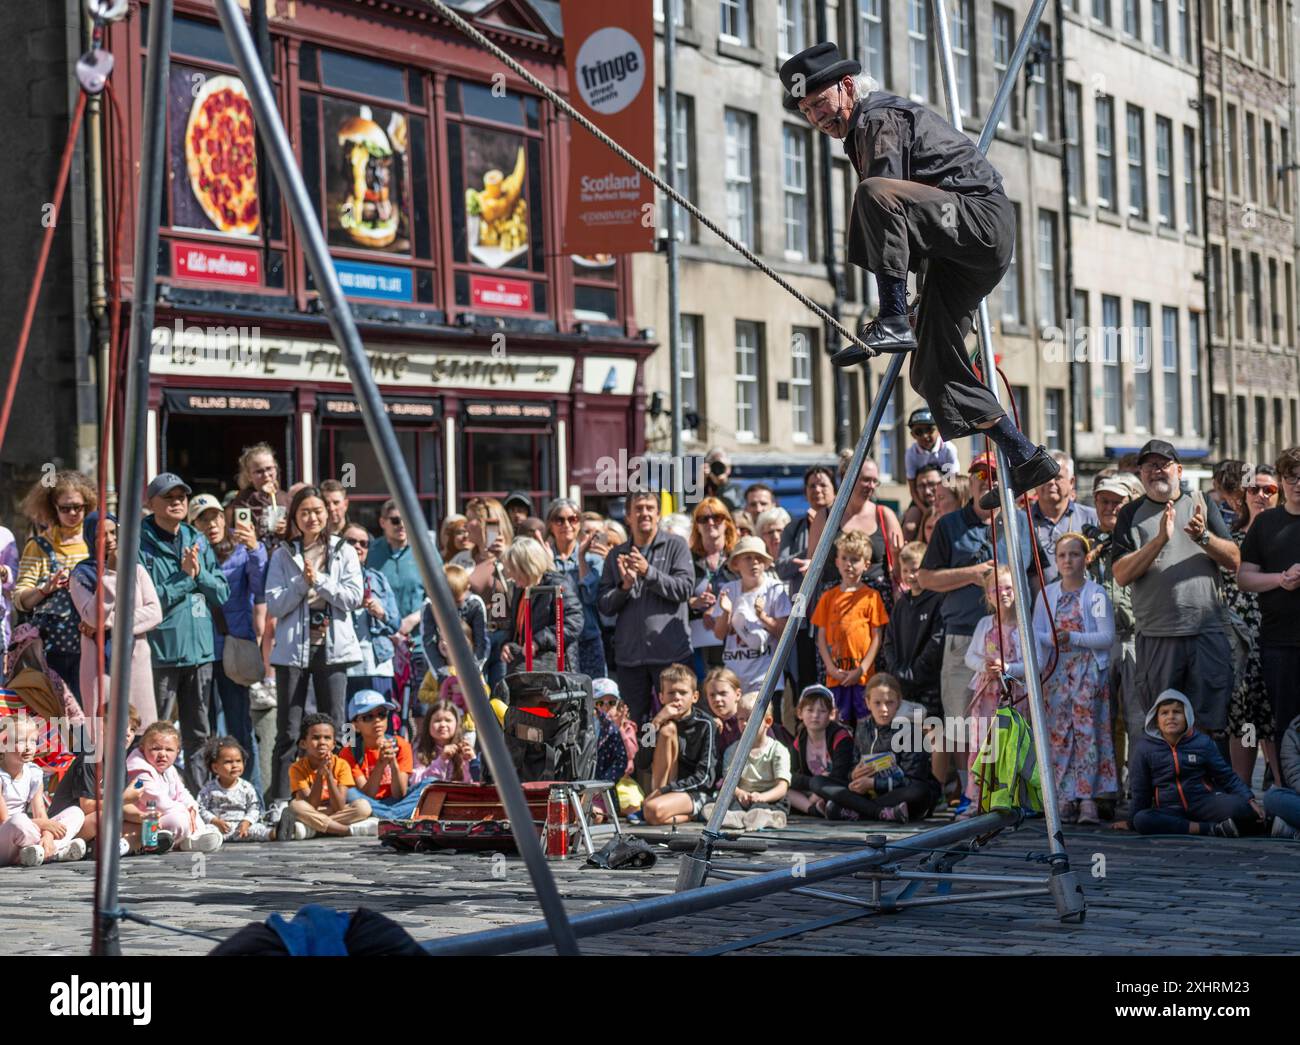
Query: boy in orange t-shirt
point(850, 620)
point(319, 782)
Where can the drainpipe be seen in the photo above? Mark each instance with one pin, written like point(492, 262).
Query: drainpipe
point(1212, 296)
point(1067, 239)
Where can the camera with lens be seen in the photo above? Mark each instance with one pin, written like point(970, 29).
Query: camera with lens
point(319, 618)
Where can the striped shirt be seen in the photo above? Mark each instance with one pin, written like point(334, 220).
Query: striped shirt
point(34, 567)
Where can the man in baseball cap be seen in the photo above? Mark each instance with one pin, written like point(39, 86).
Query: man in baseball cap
point(165, 483)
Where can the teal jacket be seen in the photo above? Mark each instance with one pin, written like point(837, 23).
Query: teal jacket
point(185, 636)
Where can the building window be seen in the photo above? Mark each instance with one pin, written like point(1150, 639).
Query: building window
point(1194, 369)
point(1270, 167)
point(1243, 436)
point(1080, 348)
point(688, 352)
point(875, 39)
point(1053, 398)
point(918, 47)
point(683, 155)
point(803, 353)
point(1274, 304)
point(1101, 11)
point(1132, 19)
point(1289, 339)
point(1142, 405)
point(736, 21)
point(1230, 148)
point(1191, 201)
point(1042, 94)
point(1073, 154)
point(1011, 309)
point(1137, 172)
point(1282, 16)
point(1248, 159)
point(1215, 289)
point(1113, 388)
point(1229, 25)
point(1284, 148)
point(1248, 27)
point(1106, 195)
point(1212, 142)
point(1004, 34)
point(1160, 25)
point(963, 50)
point(679, 11)
point(1279, 429)
point(1238, 297)
point(1165, 171)
point(790, 24)
point(749, 399)
point(890, 457)
point(1046, 268)
point(1169, 380)
point(1265, 27)
point(1261, 423)
point(1257, 297)
point(1184, 32)
point(1211, 20)
point(740, 177)
point(1020, 407)
point(795, 185)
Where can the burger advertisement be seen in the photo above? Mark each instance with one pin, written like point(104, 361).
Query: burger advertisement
point(367, 174)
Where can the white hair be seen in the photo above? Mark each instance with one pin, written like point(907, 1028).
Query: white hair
point(864, 84)
point(1064, 460)
point(677, 524)
point(772, 517)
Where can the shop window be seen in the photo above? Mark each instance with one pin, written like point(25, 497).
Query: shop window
point(365, 158)
point(498, 459)
point(346, 450)
point(494, 159)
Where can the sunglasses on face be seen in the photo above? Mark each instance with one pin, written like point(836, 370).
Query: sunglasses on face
point(927, 430)
point(567, 520)
point(374, 716)
point(357, 542)
point(72, 509)
point(395, 520)
point(712, 520)
point(1266, 491)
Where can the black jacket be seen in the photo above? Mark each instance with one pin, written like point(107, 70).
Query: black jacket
point(871, 739)
point(697, 754)
point(839, 745)
point(542, 607)
point(651, 627)
point(912, 649)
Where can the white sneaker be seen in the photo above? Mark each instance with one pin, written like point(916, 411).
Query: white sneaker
point(1281, 829)
point(203, 842)
point(31, 856)
point(123, 847)
point(757, 819)
point(301, 831)
point(368, 828)
point(75, 851)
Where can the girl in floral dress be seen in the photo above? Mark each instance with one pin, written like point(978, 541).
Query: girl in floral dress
point(994, 656)
point(1076, 692)
point(1249, 709)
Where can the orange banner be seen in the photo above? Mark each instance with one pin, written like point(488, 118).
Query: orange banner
point(610, 57)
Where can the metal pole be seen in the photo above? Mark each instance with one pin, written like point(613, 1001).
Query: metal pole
point(670, 226)
point(693, 869)
point(1010, 521)
point(380, 430)
point(153, 173)
point(612, 918)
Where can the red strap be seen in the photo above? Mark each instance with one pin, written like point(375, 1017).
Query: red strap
point(528, 629)
point(889, 558)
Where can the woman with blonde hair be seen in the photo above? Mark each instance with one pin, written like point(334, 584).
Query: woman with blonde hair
point(530, 567)
point(454, 542)
point(490, 533)
point(261, 491)
point(713, 535)
point(58, 510)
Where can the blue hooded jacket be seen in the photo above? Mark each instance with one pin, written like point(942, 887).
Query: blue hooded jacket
point(1166, 775)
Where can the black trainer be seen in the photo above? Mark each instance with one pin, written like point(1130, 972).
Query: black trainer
point(883, 334)
point(1025, 477)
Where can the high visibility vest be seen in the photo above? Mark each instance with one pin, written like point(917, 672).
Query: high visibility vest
point(1006, 770)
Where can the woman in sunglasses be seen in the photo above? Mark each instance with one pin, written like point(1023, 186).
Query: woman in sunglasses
point(376, 622)
point(713, 535)
point(1250, 702)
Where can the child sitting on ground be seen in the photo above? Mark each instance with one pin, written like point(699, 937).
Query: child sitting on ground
point(179, 820)
point(611, 753)
point(723, 690)
point(443, 751)
point(681, 757)
point(1282, 801)
point(319, 783)
point(1181, 783)
point(78, 786)
point(229, 802)
point(823, 754)
point(892, 779)
point(849, 619)
point(381, 764)
point(760, 799)
point(28, 835)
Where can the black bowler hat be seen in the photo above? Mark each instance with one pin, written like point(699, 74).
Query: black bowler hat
point(1160, 448)
point(812, 69)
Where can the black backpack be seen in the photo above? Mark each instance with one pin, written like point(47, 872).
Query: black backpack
point(550, 725)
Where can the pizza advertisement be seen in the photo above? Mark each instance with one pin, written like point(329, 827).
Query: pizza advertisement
point(497, 214)
point(213, 154)
point(367, 174)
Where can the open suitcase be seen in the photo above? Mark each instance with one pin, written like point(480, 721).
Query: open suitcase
point(461, 816)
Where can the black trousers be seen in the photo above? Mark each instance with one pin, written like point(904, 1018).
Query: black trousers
point(637, 687)
point(330, 684)
point(966, 241)
point(917, 795)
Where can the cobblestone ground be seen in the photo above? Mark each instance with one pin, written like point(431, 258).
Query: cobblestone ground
point(1172, 896)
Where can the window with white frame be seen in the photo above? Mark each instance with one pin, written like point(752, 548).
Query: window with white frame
point(1212, 142)
point(1194, 369)
point(1079, 345)
point(1053, 398)
point(1284, 149)
point(1270, 181)
point(803, 353)
point(1191, 201)
point(794, 150)
point(1169, 377)
point(1160, 24)
point(1137, 170)
point(736, 21)
point(1133, 19)
point(889, 459)
point(1184, 32)
point(1142, 405)
point(1229, 24)
point(1040, 86)
point(1248, 27)
point(918, 47)
point(1113, 384)
point(1265, 28)
point(740, 177)
point(1165, 171)
point(1004, 34)
point(684, 182)
point(1046, 268)
point(963, 52)
point(1230, 147)
point(1107, 197)
point(790, 35)
point(679, 11)
point(1073, 125)
point(1248, 160)
point(1011, 308)
point(688, 354)
point(875, 39)
point(749, 400)
point(1101, 11)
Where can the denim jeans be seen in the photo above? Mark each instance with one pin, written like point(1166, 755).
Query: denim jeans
point(391, 809)
point(230, 702)
point(1207, 810)
point(1283, 803)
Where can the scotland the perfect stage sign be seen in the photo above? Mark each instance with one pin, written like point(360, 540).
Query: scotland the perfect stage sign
point(385, 282)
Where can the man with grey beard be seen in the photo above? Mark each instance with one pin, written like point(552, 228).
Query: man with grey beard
point(1167, 546)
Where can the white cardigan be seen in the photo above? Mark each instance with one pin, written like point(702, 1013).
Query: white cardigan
point(1098, 632)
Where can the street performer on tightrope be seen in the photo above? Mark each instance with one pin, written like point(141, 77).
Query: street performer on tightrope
point(926, 194)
